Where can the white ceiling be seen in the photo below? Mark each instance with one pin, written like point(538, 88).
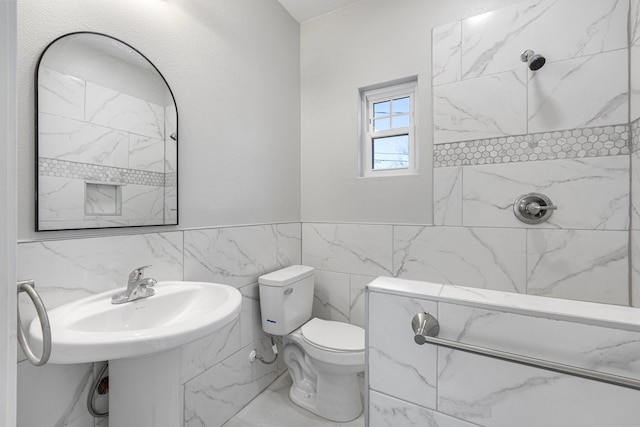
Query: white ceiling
point(304, 10)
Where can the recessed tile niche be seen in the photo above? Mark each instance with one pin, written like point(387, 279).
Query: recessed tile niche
point(102, 199)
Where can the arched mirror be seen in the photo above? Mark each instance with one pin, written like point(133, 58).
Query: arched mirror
point(106, 137)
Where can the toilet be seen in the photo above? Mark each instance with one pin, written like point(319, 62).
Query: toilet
point(324, 357)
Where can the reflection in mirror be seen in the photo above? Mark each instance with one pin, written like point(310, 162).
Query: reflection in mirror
point(107, 134)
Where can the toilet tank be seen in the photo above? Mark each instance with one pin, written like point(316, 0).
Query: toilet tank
point(286, 298)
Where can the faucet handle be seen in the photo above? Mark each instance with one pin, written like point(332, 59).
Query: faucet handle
point(137, 274)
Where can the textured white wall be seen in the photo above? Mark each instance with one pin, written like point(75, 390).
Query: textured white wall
point(369, 42)
point(233, 66)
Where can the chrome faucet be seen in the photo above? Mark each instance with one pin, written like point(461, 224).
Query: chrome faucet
point(137, 287)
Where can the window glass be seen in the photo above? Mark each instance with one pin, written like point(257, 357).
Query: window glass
point(381, 124)
point(401, 121)
point(401, 105)
point(381, 109)
point(391, 152)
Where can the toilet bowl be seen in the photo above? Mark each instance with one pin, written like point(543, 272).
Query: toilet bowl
point(323, 357)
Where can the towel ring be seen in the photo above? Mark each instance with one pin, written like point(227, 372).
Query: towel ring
point(28, 286)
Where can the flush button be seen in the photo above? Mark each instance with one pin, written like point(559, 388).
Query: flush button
point(288, 291)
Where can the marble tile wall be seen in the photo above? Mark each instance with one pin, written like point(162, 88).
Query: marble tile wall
point(125, 149)
point(435, 386)
point(502, 130)
point(171, 165)
point(217, 378)
point(483, 90)
point(589, 265)
point(346, 258)
point(634, 58)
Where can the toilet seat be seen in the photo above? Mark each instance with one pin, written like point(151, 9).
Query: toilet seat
point(330, 355)
point(333, 336)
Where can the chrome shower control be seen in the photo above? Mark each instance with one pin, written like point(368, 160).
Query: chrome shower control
point(533, 208)
point(424, 325)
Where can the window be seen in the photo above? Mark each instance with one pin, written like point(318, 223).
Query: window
point(388, 130)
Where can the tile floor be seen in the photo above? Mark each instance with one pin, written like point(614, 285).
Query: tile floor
point(272, 408)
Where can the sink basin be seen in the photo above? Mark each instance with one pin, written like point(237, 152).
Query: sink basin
point(92, 329)
point(141, 340)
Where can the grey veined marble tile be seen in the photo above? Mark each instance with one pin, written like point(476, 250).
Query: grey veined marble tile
point(60, 94)
point(497, 107)
point(476, 257)
point(348, 248)
point(570, 342)
point(105, 107)
point(635, 189)
point(77, 141)
point(250, 319)
point(213, 397)
point(558, 99)
point(146, 153)
point(61, 388)
point(60, 199)
point(386, 411)
point(591, 193)
point(494, 393)
point(634, 18)
point(397, 366)
point(492, 42)
point(331, 296)
point(67, 270)
point(446, 48)
point(235, 256)
point(579, 264)
point(635, 268)
point(447, 196)
point(357, 308)
point(289, 241)
point(200, 355)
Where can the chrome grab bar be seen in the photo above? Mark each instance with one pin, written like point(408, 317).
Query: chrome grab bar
point(426, 327)
point(28, 287)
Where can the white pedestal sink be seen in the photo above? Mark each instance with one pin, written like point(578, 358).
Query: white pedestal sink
point(141, 339)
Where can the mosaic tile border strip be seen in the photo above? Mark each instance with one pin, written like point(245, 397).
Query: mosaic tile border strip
point(635, 136)
point(568, 144)
point(75, 170)
point(171, 179)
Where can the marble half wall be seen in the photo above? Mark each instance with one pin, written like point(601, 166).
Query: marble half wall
point(435, 386)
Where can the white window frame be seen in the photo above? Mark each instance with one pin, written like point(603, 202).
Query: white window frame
point(380, 94)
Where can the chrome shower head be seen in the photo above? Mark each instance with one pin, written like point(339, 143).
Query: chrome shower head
point(533, 60)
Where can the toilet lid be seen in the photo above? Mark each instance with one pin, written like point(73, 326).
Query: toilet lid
point(338, 336)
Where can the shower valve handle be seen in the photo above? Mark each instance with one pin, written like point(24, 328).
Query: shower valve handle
point(534, 208)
